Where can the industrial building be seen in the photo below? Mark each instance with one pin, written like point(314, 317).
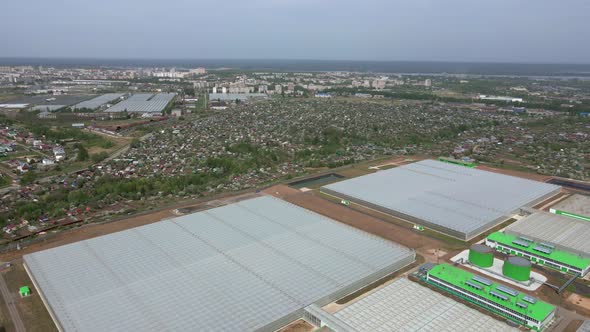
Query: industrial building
point(98, 101)
point(455, 200)
point(539, 252)
point(143, 103)
point(507, 302)
point(235, 96)
point(567, 234)
point(407, 306)
point(252, 265)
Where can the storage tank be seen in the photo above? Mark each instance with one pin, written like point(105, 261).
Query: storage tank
point(517, 268)
point(481, 255)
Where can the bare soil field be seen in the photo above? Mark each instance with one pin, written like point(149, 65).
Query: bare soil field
point(531, 176)
point(309, 200)
point(298, 326)
point(580, 302)
point(546, 204)
point(573, 326)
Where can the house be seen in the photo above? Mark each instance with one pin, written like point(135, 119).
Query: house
point(46, 115)
point(59, 153)
point(8, 229)
point(45, 147)
point(48, 162)
point(23, 166)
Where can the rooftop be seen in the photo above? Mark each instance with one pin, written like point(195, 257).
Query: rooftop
point(143, 103)
point(98, 101)
point(538, 310)
point(565, 233)
point(407, 306)
point(462, 199)
point(238, 267)
point(554, 254)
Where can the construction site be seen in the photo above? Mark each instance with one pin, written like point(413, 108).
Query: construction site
point(335, 252)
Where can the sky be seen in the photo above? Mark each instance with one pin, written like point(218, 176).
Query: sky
point(529, 31)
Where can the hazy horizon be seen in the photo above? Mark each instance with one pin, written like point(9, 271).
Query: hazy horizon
point(503, 31)
point(221, 59)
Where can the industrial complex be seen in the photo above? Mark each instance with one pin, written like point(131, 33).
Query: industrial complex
point(455, 200)
point(264, 264)
point(519, 307)
point(566, 234)
point(539, 252)
point(252, 265)
point(98, 101)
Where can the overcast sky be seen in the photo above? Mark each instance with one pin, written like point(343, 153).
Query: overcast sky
point(437, 30)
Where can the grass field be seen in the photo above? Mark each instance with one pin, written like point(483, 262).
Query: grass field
point(18, 154)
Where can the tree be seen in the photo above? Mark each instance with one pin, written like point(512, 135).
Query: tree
point(28, 178)
point(135, 143)
point(98, 157)
point(82, 153)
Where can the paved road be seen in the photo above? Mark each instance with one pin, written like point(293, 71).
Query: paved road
point(19, 326)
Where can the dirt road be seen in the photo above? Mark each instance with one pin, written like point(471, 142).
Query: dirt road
point(19, 326)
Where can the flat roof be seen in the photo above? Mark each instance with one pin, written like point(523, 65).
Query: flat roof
point(238, 267)
point(458, 277)
point(578, 204)
point(464, 200)
point(98, 101)
point(48, 108)
point(565, 233)
point(143, 103)
point(404, 305)
point(554, 254)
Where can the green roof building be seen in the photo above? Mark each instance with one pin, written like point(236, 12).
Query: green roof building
point(519, 307)
point(539, 253)
point(24, 291)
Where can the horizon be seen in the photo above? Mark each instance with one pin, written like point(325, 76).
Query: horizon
point(290, 60)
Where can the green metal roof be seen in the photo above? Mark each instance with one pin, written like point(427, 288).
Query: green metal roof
point(570, 214)
point(457, 277)
point(556, 255)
